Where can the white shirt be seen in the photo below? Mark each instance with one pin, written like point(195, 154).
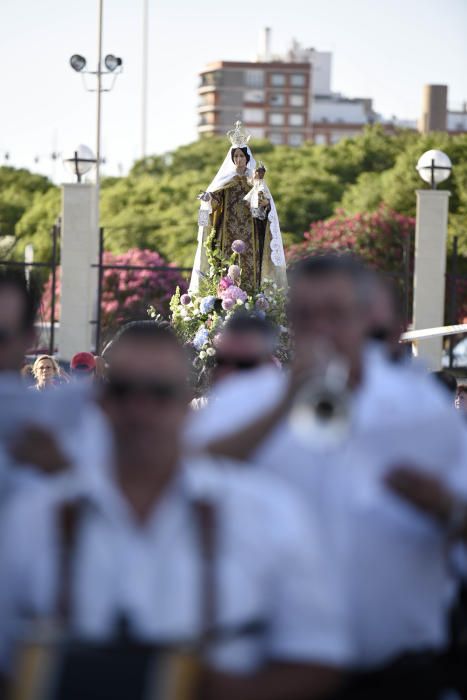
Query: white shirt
point(391, 559)
point(271, 566)
point(69, 413)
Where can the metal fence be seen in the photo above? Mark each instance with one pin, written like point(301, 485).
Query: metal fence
point(456, 289)
point(101, 266)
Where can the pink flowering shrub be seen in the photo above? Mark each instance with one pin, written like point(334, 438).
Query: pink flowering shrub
point(126, 294)
point(377, 237)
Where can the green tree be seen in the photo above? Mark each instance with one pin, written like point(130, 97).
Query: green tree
point(155, 206)
point(18, 191)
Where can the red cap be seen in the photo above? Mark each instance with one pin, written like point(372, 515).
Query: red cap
point(83, 361)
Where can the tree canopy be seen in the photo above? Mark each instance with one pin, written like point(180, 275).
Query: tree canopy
point(155, 206)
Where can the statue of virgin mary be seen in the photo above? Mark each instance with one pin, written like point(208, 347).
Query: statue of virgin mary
point(239, 206)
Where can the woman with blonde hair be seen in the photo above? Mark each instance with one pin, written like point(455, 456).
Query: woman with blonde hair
point(46, 372)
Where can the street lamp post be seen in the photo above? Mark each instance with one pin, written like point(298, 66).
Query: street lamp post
point(430, 253)
point(114, 66)
point(80, 229)
point(78, 253)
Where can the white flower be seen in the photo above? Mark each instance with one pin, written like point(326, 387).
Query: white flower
point(247, 306)
point(202, 355)
point(239, 302)
point(210, 352)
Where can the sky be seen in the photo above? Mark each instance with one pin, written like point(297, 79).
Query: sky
point(384, 49)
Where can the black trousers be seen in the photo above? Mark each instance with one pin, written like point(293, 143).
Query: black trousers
point(420, 676)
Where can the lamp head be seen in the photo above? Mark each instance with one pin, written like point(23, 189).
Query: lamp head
point(112, 62)
point(81, 160)
point(77, 62)
point(434, 167)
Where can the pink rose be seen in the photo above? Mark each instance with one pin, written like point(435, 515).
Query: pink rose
point(224, 283)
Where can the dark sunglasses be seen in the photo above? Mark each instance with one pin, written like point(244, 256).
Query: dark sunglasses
point(237, 363)
point(122, 389)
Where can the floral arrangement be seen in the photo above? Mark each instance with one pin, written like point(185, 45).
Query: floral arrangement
point(198, 317)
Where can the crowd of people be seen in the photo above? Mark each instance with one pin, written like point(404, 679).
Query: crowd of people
point(298, 532)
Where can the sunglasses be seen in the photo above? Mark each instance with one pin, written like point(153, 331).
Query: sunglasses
point(237, 363)
point(122, 389)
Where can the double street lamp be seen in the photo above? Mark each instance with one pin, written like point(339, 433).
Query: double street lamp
point(113, 66)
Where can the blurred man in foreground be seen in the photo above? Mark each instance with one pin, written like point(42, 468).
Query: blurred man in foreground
point(39, 442)
point(388, 415)
point(254, 574)
point(246, 342)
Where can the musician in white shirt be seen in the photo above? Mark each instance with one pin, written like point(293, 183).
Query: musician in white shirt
point(391, 558)
point(138, 554)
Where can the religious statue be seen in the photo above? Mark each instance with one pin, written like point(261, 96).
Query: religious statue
point(239, 206)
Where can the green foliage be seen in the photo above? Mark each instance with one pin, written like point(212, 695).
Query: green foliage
point(36, 224)
point(155, 206)
point(396, 186)
point(19, 189)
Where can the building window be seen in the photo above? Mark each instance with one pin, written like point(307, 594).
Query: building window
point(320, 139)
point(297, 100)
point(253, 115)
point(207, 99)
point(206, 119)
point(296, 139)
point(296, 119)
point(276, 138)
point(256, 96)
point(298, 80)
point(254, 78)
point(277, 99)
point(277, 79)
point(211, 79)
point(257, 132)
point(276, 119)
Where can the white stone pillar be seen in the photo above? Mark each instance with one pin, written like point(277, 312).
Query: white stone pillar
point(79, 251)
point(430, 269)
